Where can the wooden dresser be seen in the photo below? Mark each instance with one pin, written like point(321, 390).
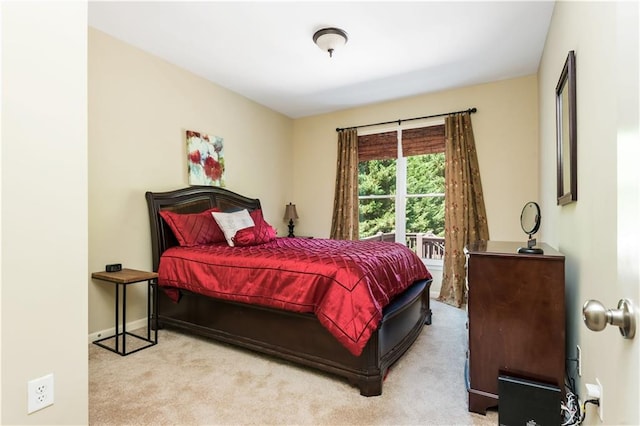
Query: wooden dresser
point(516, 312)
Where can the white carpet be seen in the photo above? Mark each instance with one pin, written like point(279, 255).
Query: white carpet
point(189, 380)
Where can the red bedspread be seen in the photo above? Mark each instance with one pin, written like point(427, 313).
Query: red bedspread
point(345, 283)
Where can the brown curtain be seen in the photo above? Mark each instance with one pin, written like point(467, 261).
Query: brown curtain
point(344, 224)
point(465, 214)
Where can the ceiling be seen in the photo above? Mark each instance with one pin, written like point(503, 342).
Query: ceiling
point(264, 50)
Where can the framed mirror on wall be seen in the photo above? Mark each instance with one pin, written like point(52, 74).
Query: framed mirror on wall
point(566, 133)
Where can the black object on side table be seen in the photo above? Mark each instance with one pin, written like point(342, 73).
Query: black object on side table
point(124, 278)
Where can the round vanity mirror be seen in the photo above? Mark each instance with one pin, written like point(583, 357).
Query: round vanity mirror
point(530, 218)
point(530, 223)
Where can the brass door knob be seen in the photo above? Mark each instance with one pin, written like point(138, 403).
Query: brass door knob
point(596, 317)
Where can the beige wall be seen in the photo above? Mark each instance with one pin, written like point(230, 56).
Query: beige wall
point(139, 109)
point(506, 134)
point(44, 208)
point(590, 232)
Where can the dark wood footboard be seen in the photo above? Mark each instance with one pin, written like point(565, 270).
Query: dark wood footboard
point(301, 338)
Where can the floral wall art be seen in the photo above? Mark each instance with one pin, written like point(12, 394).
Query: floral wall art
point(205, 159)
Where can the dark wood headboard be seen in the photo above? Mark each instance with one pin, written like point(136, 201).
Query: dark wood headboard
point(193, 199)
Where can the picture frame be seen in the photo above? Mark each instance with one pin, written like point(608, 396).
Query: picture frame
point(205, 159)
point(566, 133)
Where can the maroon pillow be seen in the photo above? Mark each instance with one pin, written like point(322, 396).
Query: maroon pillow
point(260, 233)
point(192, 229)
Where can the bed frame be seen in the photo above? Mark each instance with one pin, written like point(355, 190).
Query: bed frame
point(291, 336)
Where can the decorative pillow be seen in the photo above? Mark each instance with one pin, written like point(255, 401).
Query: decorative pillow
point(192, 229)
point(230, 223)
point(260, 233)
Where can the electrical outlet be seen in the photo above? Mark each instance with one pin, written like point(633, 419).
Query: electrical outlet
point(596, 392)
point(40, 393)
point(601, 406)
point(579, 362)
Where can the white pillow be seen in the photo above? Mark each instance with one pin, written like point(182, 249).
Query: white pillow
point(230, 223)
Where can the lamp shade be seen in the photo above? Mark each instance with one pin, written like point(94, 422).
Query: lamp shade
point(290, 212)
point(329, 39)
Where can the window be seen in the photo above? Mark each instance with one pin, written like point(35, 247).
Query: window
point(401, 188)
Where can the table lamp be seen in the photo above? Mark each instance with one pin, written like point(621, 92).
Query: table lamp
point(290, 214)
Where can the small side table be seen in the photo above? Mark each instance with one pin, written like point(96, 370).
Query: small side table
point(124, 278)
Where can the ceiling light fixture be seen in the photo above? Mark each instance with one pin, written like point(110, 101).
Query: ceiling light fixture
point(328, 39)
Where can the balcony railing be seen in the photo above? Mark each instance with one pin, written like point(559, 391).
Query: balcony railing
point(425, 245)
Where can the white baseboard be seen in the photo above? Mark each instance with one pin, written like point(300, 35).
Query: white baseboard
point(133, 325)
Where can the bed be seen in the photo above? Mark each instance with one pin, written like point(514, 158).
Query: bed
point(296, 335)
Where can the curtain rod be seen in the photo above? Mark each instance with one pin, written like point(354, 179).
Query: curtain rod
point(470, 111)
